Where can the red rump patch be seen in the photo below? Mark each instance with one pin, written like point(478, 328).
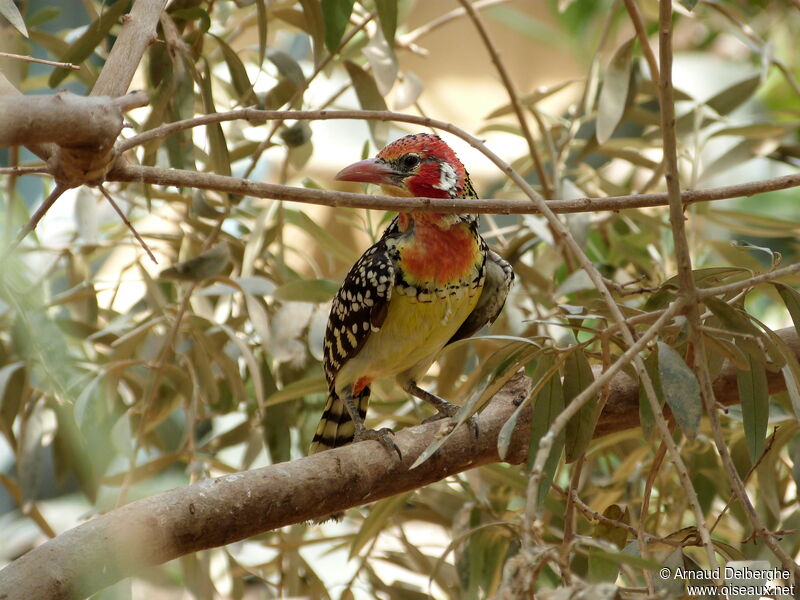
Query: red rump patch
point(360, 384)
point(440, 255)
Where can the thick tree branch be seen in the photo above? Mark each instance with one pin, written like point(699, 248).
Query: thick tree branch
point(65, 119)
point(220, 511)
point(7, 90)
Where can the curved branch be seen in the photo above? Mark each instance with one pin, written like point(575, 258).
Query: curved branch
point(220, 511)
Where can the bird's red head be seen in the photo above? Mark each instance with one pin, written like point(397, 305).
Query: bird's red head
point(415, 165)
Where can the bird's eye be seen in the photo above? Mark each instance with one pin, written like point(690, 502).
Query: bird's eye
point(409, 161)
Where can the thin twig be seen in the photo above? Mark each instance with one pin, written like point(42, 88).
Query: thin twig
point(655, 466)
point(161, 362)
point(11, 187)
point(412, 36)
point(152, 392)
point(684, 261)
point(37, 216)
point(130, 226)
point(236, 185)
point(644, 42)
point(20, 171)
point(52, 63)
point(544, 180)
point(569, 516)
point(223, 183)
point(298, 94)
point(751, 35)
point(587, 511)
point(746, 477)
point(690, 292)
point(577, 403)
point(721, 290)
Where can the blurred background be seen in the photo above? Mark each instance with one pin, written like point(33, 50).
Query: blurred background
point(118, 381)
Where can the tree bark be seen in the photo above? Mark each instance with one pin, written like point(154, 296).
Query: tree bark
point(220, 511)
point(65, 119)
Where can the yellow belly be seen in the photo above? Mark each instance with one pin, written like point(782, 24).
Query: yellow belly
point(412, 335)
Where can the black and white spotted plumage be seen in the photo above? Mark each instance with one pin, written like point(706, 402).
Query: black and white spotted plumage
point(383, 281)
point(358, 309)
point(360, 306)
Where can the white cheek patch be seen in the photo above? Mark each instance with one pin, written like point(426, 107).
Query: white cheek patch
point(447, 177)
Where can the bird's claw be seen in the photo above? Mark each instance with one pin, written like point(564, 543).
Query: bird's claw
point(450, 411)
point(384, 436)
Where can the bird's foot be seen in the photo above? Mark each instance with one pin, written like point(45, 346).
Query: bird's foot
point(447, 410)
point(384, 436)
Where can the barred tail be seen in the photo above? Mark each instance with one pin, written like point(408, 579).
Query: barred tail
point(336, 428)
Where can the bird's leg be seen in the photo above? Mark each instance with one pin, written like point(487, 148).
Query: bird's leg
point(384, 435)
point(443, 408)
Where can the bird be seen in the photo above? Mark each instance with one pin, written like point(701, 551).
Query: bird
point(428, 281)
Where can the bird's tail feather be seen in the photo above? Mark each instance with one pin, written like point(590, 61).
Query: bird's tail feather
point(336, 428)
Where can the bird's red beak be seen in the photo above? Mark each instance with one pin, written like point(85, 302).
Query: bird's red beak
point(368, 171)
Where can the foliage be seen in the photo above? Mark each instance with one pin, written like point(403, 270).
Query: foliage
point(117, 380)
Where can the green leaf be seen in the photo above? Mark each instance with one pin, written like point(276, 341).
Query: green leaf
point(495, 375)
point(790, 370)
point(13, 390)
point(626, 558)
point(747, 149)
point(316, 27)
point(44, 15)
point(377, 521)
point(84, 46)
point(239, 79)
point(580, 428)
point(791, 298)
point(387, 15)
point(336, 16)
point(261, 22)
point(382, 62)
point(292, 79)
point(604, 566)
point(307, 290)
point(688, 4)
point(533, 99)
point(370, 99)
point(646, 417)
point(614, 93)
point(10, 11)
point(324, 238)
point(735, 95)
point(211, 262)
point(736, 320)
point(680, 388)
point(671, 586)
point(220, 161)
point(754, 397)
point(314, 384)
point(193, 14)
point(757, 130)
point(547, 405)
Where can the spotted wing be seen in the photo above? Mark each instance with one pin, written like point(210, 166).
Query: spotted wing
point(360, 306)
point(499, 277)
